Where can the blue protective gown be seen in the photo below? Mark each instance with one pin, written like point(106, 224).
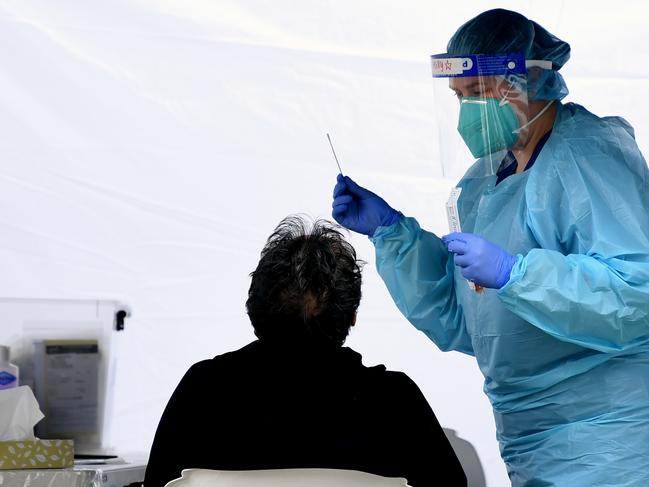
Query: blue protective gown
point(564, 345)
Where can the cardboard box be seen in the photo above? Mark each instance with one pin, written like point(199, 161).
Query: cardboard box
point(36, 454)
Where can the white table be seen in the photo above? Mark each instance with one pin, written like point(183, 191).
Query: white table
point(110, 474)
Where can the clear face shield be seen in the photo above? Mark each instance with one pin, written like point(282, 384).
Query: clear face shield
point(487, 96)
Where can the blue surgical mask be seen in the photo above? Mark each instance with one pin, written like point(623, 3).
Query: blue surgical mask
point(487, 125)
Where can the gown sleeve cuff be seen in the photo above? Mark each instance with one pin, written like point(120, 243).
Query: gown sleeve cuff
point(402, 225)
point(511, 289)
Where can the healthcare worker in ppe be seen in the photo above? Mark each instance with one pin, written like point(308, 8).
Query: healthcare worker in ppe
point(555, 220)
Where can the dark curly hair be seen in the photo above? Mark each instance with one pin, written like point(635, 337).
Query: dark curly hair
point(307, 285)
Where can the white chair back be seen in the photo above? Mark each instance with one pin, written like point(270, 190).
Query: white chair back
point(298, 477)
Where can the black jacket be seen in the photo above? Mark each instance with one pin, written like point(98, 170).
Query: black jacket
point(268, 406)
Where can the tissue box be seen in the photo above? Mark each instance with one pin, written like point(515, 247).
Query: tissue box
point(36, 454)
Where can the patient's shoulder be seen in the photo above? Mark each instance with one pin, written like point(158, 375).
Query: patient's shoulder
point(391, 383)
point(401, 382)
point(223, 362)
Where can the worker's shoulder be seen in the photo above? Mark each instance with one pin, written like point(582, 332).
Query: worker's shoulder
point(582, 142)
point(585, 155)
point(574, 122)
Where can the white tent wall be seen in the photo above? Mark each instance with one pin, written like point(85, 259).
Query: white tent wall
point(149, 148)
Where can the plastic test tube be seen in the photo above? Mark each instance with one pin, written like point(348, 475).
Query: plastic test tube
point(454, 224)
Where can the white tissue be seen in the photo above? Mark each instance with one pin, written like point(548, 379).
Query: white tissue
point(19, 412)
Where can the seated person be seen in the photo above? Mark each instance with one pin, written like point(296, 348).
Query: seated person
point(295, 397)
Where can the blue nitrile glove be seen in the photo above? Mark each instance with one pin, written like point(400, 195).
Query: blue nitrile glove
point(359, 209)
point(482, 262)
